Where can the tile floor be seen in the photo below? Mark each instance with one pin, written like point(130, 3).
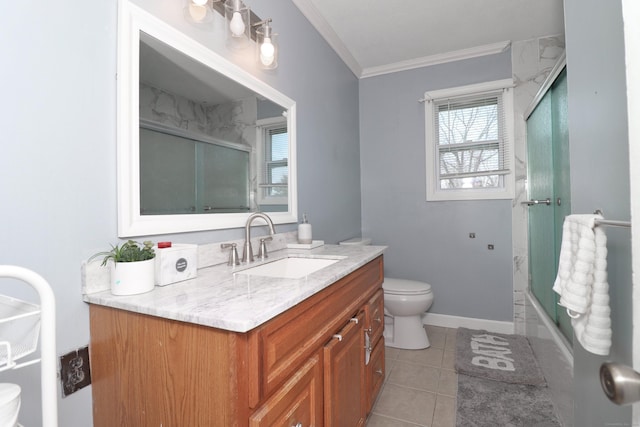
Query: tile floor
point(420, 385)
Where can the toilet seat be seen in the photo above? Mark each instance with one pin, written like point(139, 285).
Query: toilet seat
point(405, 287)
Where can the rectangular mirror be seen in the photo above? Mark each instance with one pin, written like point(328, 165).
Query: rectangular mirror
point(201, 142)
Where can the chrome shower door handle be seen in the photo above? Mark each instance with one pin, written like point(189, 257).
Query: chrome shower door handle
point(620, 383)
point(534, 202)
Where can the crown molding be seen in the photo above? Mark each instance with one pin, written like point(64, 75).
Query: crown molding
point(315, 18)
point(441, 58)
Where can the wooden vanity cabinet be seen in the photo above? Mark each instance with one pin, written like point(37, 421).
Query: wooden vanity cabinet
point(374, 328)
point(151, 371)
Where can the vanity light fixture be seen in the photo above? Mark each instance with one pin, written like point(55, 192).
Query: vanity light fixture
point(242, 25)
point(198, 12)
point(266, 45)
point(237, 17)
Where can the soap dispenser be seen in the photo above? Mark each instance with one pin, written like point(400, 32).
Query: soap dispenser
point(304, 231)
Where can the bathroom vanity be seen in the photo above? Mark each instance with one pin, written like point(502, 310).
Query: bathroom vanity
point(231, 349)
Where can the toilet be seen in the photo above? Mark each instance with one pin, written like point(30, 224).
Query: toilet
point(405, 301)
point(9, 404)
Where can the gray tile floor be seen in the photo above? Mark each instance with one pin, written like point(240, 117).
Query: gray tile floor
point(420, 385)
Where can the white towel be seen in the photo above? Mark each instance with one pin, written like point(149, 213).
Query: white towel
point(582, 282)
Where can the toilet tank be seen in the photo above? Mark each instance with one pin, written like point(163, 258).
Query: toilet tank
point(357, 241)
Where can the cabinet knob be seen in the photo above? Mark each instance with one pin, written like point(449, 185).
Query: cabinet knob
point(297, 425)
point(379, 372)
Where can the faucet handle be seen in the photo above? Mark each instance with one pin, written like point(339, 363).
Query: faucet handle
point(262, 252)
point(233, 254)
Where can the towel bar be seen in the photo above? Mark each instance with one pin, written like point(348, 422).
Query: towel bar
point(611, 223)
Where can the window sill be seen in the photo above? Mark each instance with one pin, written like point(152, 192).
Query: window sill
point(443, 196)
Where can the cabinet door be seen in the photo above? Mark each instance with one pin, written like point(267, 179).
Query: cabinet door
point(374, 311)
point(298, 402)
point(375, 373)
point(280, 346)
point(344, 376)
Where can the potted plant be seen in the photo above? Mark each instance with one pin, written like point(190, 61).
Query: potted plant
point(132, 267)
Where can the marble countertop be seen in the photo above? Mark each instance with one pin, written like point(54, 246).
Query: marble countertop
point(222, 297)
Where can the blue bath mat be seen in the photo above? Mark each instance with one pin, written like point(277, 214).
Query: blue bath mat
point(497, 357)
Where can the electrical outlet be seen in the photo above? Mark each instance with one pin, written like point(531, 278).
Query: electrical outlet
point(75, 372)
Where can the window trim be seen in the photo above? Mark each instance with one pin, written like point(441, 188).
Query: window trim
point(262, 127)
point(434, 193)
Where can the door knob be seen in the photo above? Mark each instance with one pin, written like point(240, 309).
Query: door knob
point(546, 201)
point(621, 384)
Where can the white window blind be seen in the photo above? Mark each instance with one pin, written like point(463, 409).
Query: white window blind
point(276, 170)
point(273, 161)
point(471, 142)
point(469, 145)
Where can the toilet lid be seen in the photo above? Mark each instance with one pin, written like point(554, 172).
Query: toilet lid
point(357, 241)
point(405, 287)
point(8, 393)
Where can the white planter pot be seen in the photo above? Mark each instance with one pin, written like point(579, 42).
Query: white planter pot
point(130, 278)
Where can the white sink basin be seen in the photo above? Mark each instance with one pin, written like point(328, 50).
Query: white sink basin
point(290, 268)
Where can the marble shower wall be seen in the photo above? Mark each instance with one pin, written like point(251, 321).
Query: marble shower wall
point(531, 61)
point(232, 121)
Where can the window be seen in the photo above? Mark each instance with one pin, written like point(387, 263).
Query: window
point(469, 137)
point(273, 170)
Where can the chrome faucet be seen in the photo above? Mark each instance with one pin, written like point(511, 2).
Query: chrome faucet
point(247, 253)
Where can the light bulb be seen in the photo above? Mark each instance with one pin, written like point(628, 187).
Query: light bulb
point(197, 13)
point(236, 25)
point(199, 2)
point(267, 52)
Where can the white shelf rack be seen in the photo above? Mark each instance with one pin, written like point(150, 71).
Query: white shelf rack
point(21, 324)
point(19, 330)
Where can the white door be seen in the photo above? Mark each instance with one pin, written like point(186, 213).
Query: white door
point(631, 18)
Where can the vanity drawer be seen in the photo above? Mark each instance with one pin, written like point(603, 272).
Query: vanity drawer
point(299, 400)
point(374, 322)
point(375, 373)
point(279, 347)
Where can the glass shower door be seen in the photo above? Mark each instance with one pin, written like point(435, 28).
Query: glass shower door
point(548, 184)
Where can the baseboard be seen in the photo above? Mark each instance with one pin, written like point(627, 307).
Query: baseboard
point(447, 321)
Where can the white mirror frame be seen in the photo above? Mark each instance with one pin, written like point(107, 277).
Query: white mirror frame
point(131, 21)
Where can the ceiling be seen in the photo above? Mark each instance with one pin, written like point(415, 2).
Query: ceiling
point(376, 37)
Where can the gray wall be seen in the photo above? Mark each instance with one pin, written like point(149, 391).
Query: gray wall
point(600, 179)
point(58, 161)
point(429, 241)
